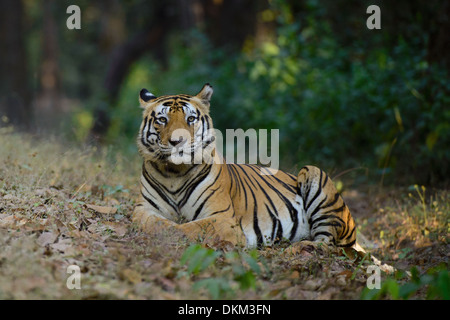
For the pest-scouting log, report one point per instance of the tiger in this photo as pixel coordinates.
(245, 204)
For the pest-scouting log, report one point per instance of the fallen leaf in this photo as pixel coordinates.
(7, 221)
(294, 275)
(46, 238)
(8, 197)
(312, 285)
(167, 284)
(346, 273)
(131, 275)
(22, 222)
(63, 245)
(112, 201)
(118, 228)
(102, 209)
(341, 280)
(30, 283)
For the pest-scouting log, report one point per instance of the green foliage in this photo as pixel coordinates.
(436, 282)
(217, 287)
(342, 96)
(239, 270)
(361, 105)
(110, 190)
(198, 258)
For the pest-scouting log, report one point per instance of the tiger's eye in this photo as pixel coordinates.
(162, 120)
(191, 119)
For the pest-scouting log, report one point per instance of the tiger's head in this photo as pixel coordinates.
(175, 128)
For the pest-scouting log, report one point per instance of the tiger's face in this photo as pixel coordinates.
(175, 127)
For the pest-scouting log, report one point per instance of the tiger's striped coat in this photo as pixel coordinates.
(233, 201)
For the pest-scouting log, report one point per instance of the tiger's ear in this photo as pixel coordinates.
(206, 93)
(145, 96)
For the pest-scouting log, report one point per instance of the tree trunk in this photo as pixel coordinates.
(149, 39)
(15, 96)
(48, 104)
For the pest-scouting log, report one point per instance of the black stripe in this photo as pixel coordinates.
(274, 219)
(267, 196)
(146, 198)
(150, 201)
(305, 198)
(245, 172)
(273, 215)
(292, 211)
(348, 235)
(325, 233)
(293, 177)
(335, 200)
(335, 210)
(231, 179)
(315, 210)
(203, 126)
(216, 212)
(318, 192)
(199, 209)
(239, 183)
(193, 184)
(325, 181)
(259, 238)
(148, 178)
(206, 188)
(326, 224)
(183, 186)
(271, 176)
(279, 235)
(330, 216)
(347, 245)
(256, 229)
(142, 133)
(164, 98)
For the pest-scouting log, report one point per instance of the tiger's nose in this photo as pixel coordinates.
(175, 142)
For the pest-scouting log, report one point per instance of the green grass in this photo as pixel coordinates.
(64, 205)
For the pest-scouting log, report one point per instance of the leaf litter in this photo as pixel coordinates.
(75, 210)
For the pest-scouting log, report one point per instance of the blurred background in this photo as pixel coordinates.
(372, 103)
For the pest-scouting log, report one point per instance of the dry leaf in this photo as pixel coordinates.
(131, 275)
(118, 228)
(112, 201)
(102, 209)
(46, 238)
(8, 197)
(7, 221)
(346, 273)
(294, 275)
(167, 284)
(63, 245)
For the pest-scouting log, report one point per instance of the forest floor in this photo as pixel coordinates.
(68, 206)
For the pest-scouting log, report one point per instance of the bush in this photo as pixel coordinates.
(381, 107)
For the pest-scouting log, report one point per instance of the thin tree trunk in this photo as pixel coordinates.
(149, 39)
(15, 97)
(48, 103)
